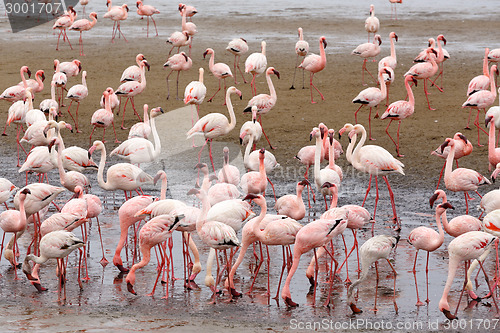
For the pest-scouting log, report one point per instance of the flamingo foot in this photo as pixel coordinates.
(123, 128)
(467, 128)
(420, 303)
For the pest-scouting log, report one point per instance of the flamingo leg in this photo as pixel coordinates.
(313, 86)
(81, 45)
(356, 114)
(476, 123)
(123, 115)
(177, 85)
(210, 153)
(241, 72)
(376, 197)
(282, 271)
(419, 303)
(168, 87)
(393, 203)
(427, 95)
(370, 124)
(133, 107)
(120, 32)
(294, 71)
(441, 175)
(265, 135)
(394, 293)
(152, 19)
(376, 289)
(368, 191)
(211, 98)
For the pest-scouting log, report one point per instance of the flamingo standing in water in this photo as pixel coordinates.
(220, 70)
(483, 99)
(264, 102)
(394, 8)
(148, 11)
(372, 23)
(400, 110)
(372, 97)
(214, 125)
(378, 247)
(76, 94)
(301, 48)
(84, 25)
(366, 51)
(256, 64)
(71, 179)
(117, 14)
(178, 62)
(461, 179)
(314, 63)
(63, 23)
(238, 46)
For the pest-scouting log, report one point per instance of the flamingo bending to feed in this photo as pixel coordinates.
(372, 23)
(314, 63)
(483, 99)
(425, 70)
(103, 118)
(214, 125)
(264, 102)
(178, 62)
(220, 70)
(256, 64)
(400, 110)
(63, 23)
(121, 176)
(117, 14)
(301, 48)
(461, 179)
(84, 25)
(372, 97)
(17, 92)
(76, 94)
(366, 51)
(378, 247)
(148, 11)
(237, 46)
(130, 89)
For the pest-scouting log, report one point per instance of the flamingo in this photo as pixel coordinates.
(469, 246)
(256, 64)
(461, 179)
(311, 236)
(154, 232)
(314, 63)
(76, 94)
(375, 248)
(494, 55)
(391, 62)
(292, 205)
(103, 118)
(301, 48)
(190, 10)
(490, 201)
(84, 25)
(178, 39)
(178, 62)
(54, 245)
(39, 160)
(130, 89)
(121, 176)
(425, 70)
(493, 151)
(366, 51)
(83, 3)
(427, 239)
(134, 72)
(372, 23)
(194, 94)
(255, 182)
(141, 150)
(6, 190)
(441, 57)
(483, 99)
(188, 27)
(220, 70)
(46, 104)
(214, 125)
(372, 97)
(148, 11)
(400, 110)
(17, 92)
(251, 128)
(60, 79)
(238, 46)
(264, 102)
(463, 147)
(71, 179)
(141, 129)
(63, 23)
(480, 82)
(37, 135)
(394, 7)
(37, 84)
(114, 101)
(70, 68)
(61, 221)
(376, 161)
(117, 14)
(229, 173)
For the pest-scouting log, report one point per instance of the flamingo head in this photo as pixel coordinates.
(443, 207)
(431, 50)
(159, 175)
(447, 142)
(378, 38)
(25, 69)
(347, 127)
(438, 194)
(300, 31)
(322, 129)
(494, 69)
(385, 70)
(305, 182)
(488, 119)
(460, 136)
(322, 39)
(314, 133)
(234, 90)
(258, 199)
(202, 167)
(441, 38)
(95, 145)
(41, 74)
(393, 35)
(495, 173)
(262, 152)
(431, 42)
(140, 56)
(146, 63)
(193, 191)
(331, 133)
(271, 70)
(25, 192)
(125, 7)
(138, 3)
(207, 51)
(175, 223)
(155, 112)
(79, 64)
(52, 143)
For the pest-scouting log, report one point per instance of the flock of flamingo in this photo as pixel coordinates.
(226, 220)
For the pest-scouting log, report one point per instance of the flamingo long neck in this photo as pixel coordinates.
(444, 219)
(491, 138)
(143, 77)
(94, 20)
(365, 266)
(226, 158)
(486, 72)
(350, 147)
(200, 78)
(184, 15)
(107, 103)
(263, 48)
(331, 157)
(492, 81)
(434, 63)
(30, 100)
(163, 191)
(84, 80)
(25, 83)
(53, 91)
(440, 56)
(317, 159)
(146, 116)
(256, 224)
(62, 173)
(272, 91)
(156, 139)
(38, 78)
(301, 34)
(262, 168)
(322, 53)
(211, 62)
(452, 269)
(232, 117)
(440, 240)
(100, 170)
(411, 98)
(300, 200)
(354, 156)
(37, 260)
(247, 151)
(202, 218)
(449, 162)
(22, 211)
(393, 49)
(383, 86)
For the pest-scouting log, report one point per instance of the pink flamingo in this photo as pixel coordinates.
(84, 25)
(459, 224)
(178, 39)
(251, 129)
(372, 97)
(483, 99)
(494, 55)
(54, 245)
(292, 205)
(121, 176)
(103, 118)
(39, 160)
(378, 247)
(255, 182)
(427, 239)
(195, 93)
(6, 190)
(493, 151)
(60, 79)
(76, 94)
(366, 51)
(220, 70)
(463, 147)
(141, 129)
(71, 179)
(440, 59)
(61, 221)
(256, 64)
(127, 218)
(37, 84)
(376, 161)
(372, 23)
(331, 153)
(17, 92)
(469, 246)
(190, 10)
(393, 8)
(229, 173)
(134, 72)
(84, 4)
(389, 61)
(154, 232)
(63, 23)
(188, 27)
(490, 201)
(117, 14)
(14, 221)
(264, 102)
(148, 11)
(237, 46)
(480, 82)
(461, 179)
(400, 110)
(46, 104)
(130, 89)
(214, 125)
(114, 101)
(311, 236)
(301, 48)
(70, 68)
(314, 63)
(178, 62)
(425, 70)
